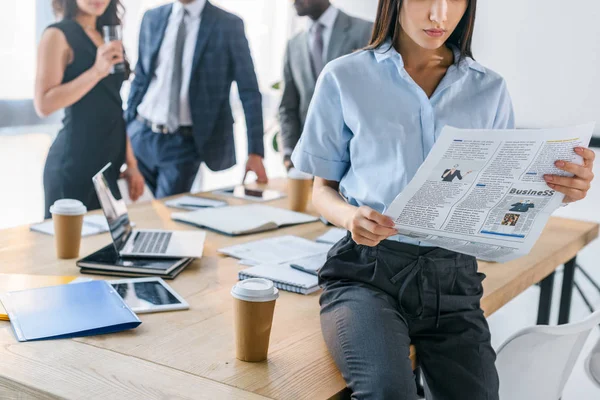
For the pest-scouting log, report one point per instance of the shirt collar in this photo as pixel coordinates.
(386, 50)
(194, 8)
(327, 19)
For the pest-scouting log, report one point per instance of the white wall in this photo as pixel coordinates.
(549, 53)
(360, 8)
(547, 50)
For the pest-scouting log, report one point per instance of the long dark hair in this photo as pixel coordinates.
(67, 9)
(386, 25)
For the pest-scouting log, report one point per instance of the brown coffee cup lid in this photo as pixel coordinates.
(68, 207)
(256, 290)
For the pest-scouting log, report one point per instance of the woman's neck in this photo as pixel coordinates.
(417, 58)
(86, 20)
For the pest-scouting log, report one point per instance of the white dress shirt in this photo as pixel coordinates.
(155, 105)
(327, 20)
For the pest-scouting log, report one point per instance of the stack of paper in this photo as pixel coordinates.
(276, 250)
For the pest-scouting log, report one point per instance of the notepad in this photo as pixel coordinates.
(65, 311)
(332, 236)
(311, 265)
(14, 282)
(284, 277)
(276, 250)
(242, 220)
(92, 225)
(193, 203)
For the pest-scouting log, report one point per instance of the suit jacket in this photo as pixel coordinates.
(348, 34)
(222, 56)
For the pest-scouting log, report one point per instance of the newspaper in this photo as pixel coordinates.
(483, 193)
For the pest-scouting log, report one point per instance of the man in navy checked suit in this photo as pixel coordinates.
(178, 111)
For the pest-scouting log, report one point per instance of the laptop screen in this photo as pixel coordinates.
(113, 206)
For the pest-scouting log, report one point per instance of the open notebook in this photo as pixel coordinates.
(284, 277)
(242, 220)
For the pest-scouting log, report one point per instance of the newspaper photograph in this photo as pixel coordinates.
(483, 193)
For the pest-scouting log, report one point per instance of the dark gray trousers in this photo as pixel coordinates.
(378, 300)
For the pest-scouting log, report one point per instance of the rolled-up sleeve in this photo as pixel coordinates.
(323, 149)
(505, 115)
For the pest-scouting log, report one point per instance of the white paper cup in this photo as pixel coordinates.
(67, 216)
(253, 308)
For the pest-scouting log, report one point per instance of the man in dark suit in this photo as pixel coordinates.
(331, 34)
(178, 112)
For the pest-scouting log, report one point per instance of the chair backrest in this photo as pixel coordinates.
(592, 364)
(536, 362)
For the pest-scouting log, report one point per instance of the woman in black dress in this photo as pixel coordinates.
(73, 73)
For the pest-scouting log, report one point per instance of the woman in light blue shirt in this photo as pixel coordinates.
(373, 119)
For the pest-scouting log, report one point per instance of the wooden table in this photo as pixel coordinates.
(190, 354)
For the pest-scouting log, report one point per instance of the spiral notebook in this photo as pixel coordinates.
(284, 277)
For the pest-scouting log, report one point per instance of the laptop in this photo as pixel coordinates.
(131, 242)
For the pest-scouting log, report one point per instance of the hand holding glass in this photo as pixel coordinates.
(114, 33)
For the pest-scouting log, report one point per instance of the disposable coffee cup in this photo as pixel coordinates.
(299, 189)
(67, 215)
(253, 307)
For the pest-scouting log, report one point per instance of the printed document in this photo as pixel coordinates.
(483, 193)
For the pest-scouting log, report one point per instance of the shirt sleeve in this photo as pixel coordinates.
(505, 116)
(323, 148)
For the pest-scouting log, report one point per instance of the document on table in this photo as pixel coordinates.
(483, 193)
(276, 250)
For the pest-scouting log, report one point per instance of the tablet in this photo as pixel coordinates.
(242, 192)
(146, 295)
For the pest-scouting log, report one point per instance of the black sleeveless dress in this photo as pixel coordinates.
(93, 131)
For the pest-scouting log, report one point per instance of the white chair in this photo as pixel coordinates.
(592, 365)
(536, 362)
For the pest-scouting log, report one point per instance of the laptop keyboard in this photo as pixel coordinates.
(151, 242)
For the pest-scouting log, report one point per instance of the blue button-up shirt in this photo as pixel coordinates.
(370, 126)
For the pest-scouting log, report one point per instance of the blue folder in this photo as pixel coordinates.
(65, 311)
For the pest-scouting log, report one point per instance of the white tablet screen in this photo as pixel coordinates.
(147, 296)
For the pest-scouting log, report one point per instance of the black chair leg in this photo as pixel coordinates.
(589, 278)
(583, 296)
